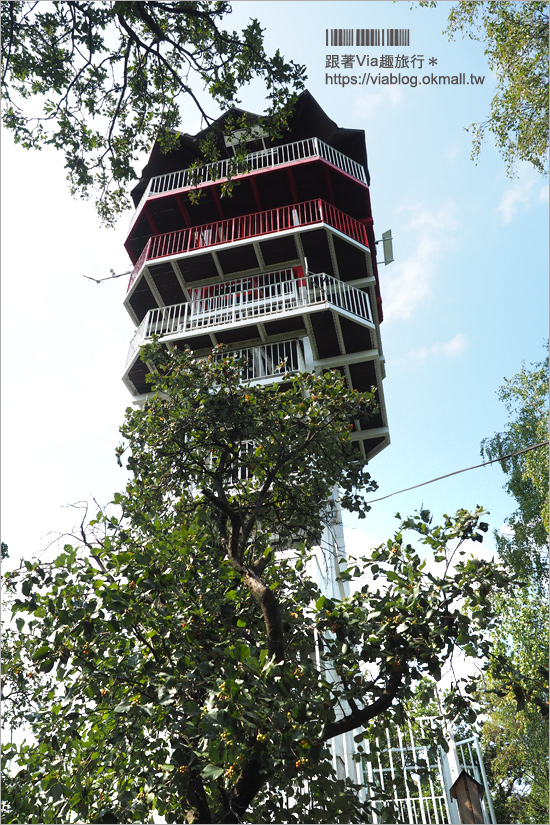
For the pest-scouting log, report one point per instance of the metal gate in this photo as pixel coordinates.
(408, 773)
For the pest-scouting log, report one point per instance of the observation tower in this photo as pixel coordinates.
(283, 270)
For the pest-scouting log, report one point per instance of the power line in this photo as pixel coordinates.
(465, 470)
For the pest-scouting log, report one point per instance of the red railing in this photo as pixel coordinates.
(249, 226)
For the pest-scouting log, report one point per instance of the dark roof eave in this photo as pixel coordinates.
(307, 120)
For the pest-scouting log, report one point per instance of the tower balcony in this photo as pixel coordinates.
(253, 300)
(245, 228)
(287, 154)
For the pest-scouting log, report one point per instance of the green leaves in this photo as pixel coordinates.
(266, 440)
(180, 659)
(212, 772)
(413, 621)
(513, 693)
(108, 79)
(524, 546)
(515, 37)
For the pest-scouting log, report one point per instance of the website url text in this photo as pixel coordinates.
(368, 79)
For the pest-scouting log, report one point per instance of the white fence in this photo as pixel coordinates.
(269, 360)
(414, 773)
(262, 296)
(264, 159)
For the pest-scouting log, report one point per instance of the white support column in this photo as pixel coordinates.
(451, 770)
(487, 802)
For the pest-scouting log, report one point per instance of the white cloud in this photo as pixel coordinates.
(452, 153)
(409, 282)
(455, 346)
(441, 349)
(370, 101)
(522, 193)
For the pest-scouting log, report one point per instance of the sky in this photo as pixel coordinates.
(465, 301)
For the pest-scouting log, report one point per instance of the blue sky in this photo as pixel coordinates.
(465, 300)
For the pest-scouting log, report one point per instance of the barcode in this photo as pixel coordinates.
(368, 37)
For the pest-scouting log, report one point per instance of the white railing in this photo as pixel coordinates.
(397, 756)
(403, 754)
(420, 810)
(264, 159)
(268, 360)
(240, 466)
(470, 759)
(135, 344)
(261, 296)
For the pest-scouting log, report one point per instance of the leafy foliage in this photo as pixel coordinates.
(172, 661)
(525, 544)
(109, 78)
(515, 733)
(515, 37)
(514, 692)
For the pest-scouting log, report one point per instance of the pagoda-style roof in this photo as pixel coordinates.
(307, 120)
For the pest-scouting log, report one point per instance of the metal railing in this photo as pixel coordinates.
(470, 760)
(240, 464)
(264, 159)
(268, 360)
(431, 809)
(397, 759)
(261, 296)
(417, 755)
(249, 226)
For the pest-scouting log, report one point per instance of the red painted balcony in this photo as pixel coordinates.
(255, 225)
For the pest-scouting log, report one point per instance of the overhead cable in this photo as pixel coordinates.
(465, 470)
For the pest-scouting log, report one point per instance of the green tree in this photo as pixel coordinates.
(173, 659)
(524, 543)
(107, 79)
(515, 734)
(515, 37)
(515, 690)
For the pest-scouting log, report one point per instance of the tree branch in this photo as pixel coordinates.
(364, 715)
(198, 798)
(250, 781)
